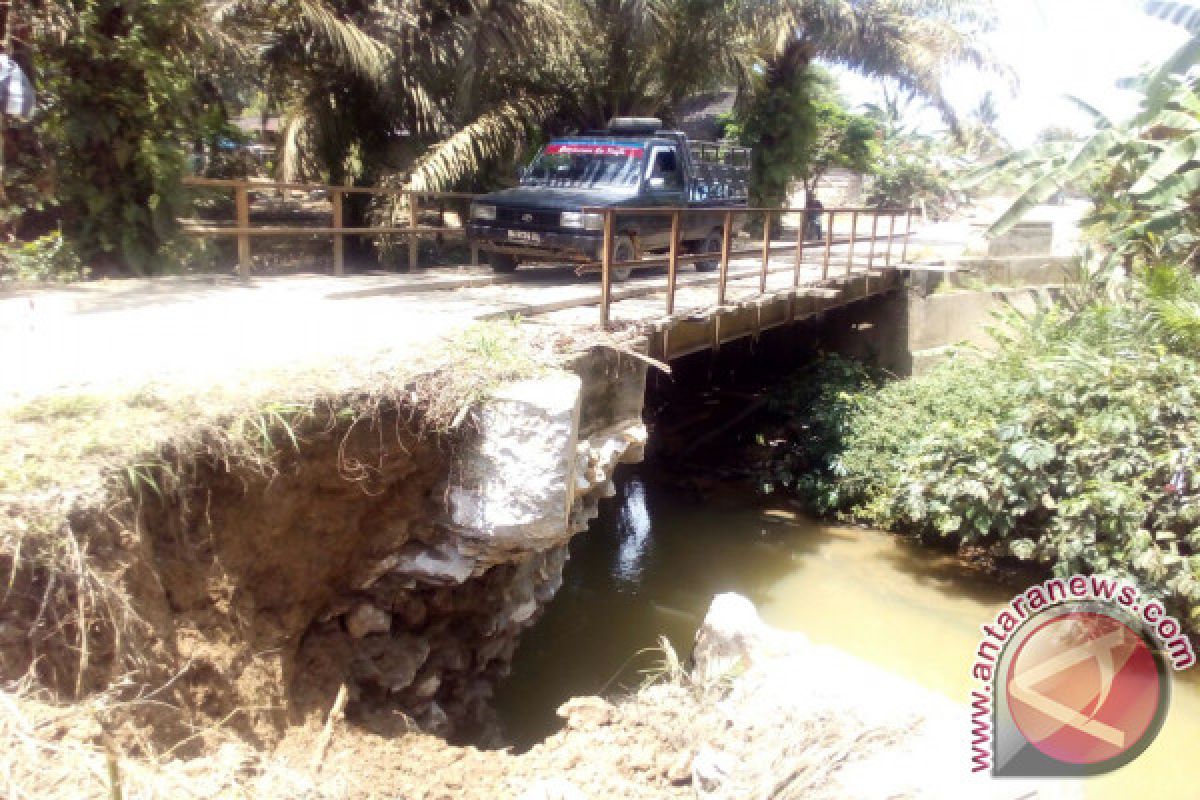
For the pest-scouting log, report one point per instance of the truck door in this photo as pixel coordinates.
(664, 185)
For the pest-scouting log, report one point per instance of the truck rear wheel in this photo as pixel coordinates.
(503, 262)
(623, 250)
(711, 244)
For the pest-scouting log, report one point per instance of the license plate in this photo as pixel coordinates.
(529, 237)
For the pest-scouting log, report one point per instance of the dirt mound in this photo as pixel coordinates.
(655, 744)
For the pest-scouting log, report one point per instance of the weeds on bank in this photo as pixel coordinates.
(475, 363)
(668, 668)
(1071, 447)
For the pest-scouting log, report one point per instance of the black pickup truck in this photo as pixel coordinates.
(632, 164)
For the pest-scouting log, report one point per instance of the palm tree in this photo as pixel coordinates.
(893, 112)
(908, 42)
(364, 87)
(911, 42)
(979, 137)
(428, 94)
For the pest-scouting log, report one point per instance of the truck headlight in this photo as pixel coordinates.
(590, 221)
(483, 212)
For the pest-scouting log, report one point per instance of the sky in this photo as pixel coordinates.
(1055, 47)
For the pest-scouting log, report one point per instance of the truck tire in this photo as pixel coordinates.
(623, 250)
(503, 262)
(711, 244)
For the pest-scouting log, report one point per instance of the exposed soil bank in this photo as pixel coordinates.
(363, 563)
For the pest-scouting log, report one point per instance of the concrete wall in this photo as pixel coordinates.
(1028, 238)
(614, 385)
(941, 321)
(991, 272)
(910, 329)
(961, 307)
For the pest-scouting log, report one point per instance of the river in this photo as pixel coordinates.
(652, 561)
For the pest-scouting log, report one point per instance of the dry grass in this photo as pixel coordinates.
(71, 752)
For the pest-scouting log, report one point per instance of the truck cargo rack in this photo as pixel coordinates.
(722, 170)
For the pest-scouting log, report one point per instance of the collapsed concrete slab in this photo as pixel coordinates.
(886, 736)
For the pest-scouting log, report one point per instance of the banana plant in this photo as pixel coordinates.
(1148, 168)
(1047, 168)
(1185, 15)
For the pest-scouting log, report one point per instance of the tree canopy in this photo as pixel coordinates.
(428, 94)
(800, 130)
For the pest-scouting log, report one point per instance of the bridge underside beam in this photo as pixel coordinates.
(683, 336)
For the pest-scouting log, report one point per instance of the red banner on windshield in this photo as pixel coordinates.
(589, 149)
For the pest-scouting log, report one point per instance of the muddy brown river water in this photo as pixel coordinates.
(656, 556)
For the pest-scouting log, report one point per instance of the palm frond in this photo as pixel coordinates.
(354, 48)
(1185, 15)
(909, 41)
(467, 150)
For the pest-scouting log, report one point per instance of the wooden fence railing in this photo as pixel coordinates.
(416, 203)
(849, 235)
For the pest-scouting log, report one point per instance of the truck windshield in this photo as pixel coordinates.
(586, 164)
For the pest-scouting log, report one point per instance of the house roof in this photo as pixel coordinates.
(698, 115)
(253, 123)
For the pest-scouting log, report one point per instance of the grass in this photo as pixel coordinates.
(475, 362)
(68, 440)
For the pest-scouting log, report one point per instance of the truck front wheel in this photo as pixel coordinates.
(711, 244)
(503, 262)
(623, 250)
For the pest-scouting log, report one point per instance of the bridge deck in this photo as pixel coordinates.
(699, 321)
(205, 330)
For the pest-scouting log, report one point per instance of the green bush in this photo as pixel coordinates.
(48, 258)
(908, 174)
(1058, 449)
(119, 108)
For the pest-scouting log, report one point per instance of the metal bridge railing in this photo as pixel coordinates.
(851, 236)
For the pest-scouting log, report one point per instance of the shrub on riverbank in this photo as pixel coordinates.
(1059, 448)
